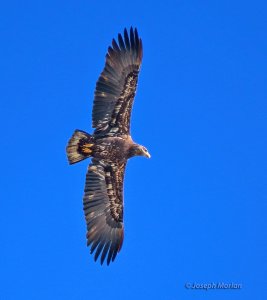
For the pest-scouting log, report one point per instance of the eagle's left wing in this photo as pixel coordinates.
(103, 208)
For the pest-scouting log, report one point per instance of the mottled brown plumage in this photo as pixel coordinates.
(110, 146)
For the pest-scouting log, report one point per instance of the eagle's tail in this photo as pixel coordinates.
(79, 146)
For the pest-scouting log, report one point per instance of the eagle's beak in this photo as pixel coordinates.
(147, 155)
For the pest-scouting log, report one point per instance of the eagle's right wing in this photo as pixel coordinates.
(116, 86)
(103, 208)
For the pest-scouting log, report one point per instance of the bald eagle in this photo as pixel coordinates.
(110, 146)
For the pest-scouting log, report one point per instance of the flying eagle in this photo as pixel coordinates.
(110, 146)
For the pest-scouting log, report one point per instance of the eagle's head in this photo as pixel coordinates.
(138, 150)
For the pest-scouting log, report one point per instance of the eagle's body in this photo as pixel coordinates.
(113, 149)
(110, 146)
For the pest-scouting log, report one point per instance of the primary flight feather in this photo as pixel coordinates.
(110, 146)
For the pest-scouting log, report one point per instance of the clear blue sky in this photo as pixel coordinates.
(196, 211)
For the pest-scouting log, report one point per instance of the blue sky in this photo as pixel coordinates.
(196, 211)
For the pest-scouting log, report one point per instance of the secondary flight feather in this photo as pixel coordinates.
(110, 146)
